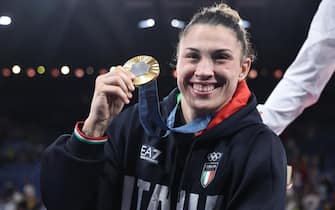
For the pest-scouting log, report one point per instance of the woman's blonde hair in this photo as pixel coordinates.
(222, 14)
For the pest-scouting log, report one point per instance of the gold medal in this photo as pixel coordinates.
(144, 67)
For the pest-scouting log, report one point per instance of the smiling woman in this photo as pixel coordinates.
(234, 162)
(213, 55)
(209, 68)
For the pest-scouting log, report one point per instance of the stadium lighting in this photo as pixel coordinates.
(278, 73)
(40, 69)
(6, 72)
(65, 70)
(147, 23)
(79, 72)
(103, 71)
(89, 70)
(16, 69)
(5, 20)
(31, 72)
(253, 74)
(244, 23)
(55, 72)
(177, 23)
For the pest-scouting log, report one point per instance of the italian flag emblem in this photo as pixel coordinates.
(208, 173)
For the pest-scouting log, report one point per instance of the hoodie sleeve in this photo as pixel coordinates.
(74, 175)
(69, 174)
(263, 181)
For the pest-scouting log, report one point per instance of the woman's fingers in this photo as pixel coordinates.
(117, 83)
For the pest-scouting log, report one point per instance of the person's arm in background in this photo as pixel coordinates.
(307, 76)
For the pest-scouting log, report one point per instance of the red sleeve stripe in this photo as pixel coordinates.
(87, 139)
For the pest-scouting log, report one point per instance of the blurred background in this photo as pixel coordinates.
(52, 51)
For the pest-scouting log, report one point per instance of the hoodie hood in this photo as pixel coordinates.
(245, 117)
(240, 112)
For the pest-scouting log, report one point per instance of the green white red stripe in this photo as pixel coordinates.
(208, 173)
(87, 139)
(207, 177)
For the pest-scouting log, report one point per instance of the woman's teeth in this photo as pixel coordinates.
(203, 88)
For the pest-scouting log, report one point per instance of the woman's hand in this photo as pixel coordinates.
(112, 91)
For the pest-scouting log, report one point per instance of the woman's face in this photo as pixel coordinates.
(209, 67)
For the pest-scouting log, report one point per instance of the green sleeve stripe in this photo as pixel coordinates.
(88, 141)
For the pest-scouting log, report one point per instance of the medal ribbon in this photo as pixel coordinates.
(150, 116)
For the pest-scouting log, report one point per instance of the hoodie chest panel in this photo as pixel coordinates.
(197, 180)
(155, 159)
(206, 168)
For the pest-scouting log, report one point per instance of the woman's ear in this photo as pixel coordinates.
(175, 73)
(245, 67)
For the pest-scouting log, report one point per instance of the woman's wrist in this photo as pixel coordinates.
(94, 129)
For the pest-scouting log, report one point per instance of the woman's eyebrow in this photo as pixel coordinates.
(193, 49)
(223, 50)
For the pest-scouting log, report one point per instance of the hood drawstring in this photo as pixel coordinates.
(173, 171)
(170, 162)
(187, 160)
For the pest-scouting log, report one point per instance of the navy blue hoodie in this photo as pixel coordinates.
(238, 164)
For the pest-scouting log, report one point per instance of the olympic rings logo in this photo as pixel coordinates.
(214, 156)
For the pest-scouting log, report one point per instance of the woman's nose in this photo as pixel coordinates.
(205, 68)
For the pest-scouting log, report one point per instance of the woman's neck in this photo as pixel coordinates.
(188, 115)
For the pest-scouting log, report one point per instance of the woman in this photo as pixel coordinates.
(235, 162)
